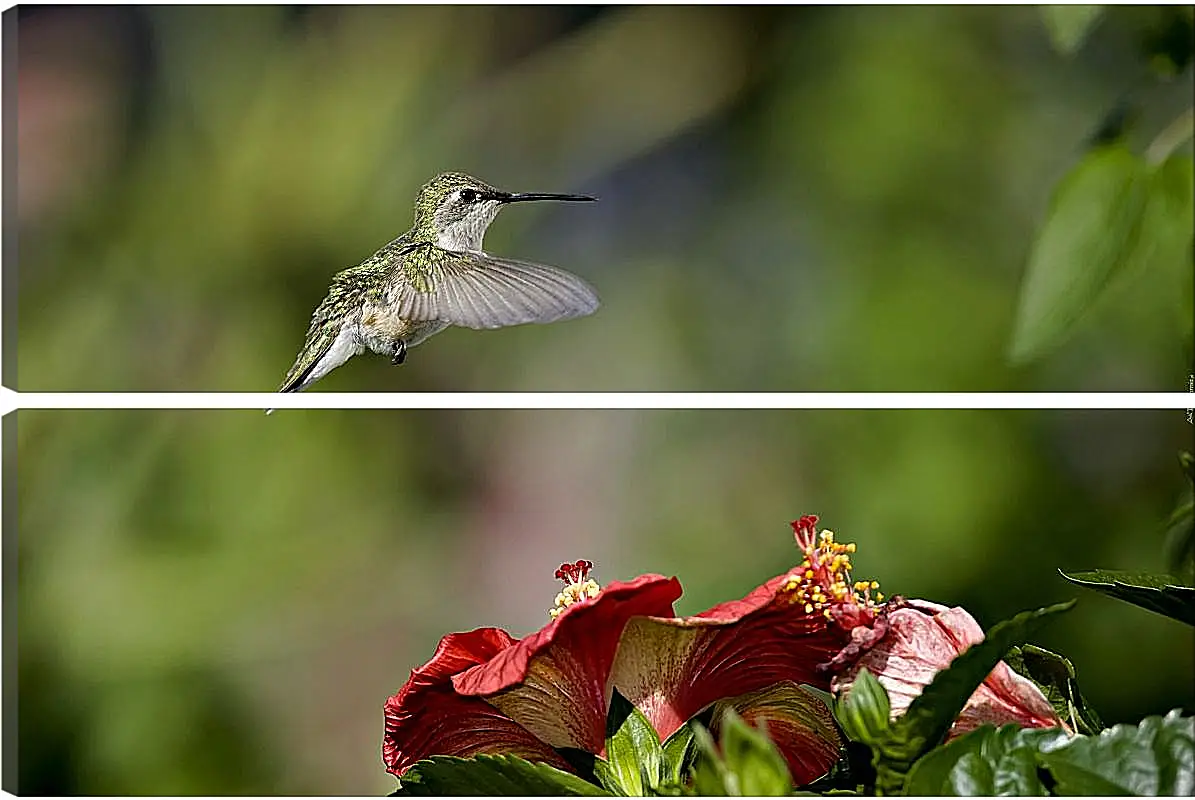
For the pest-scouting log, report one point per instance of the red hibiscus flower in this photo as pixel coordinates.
(485, 692)
(913, 640)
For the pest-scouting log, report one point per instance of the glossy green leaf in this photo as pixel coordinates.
(986, 761)
(863, 713)
(1090, 231)
(1154, 758)
(1163, 594)
(492, 775)
(633, 749)
(678, 753)
(1069, 26)
(931, 714)
(608, 777)
(1055, 676)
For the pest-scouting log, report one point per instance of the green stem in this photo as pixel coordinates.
(1171, 137)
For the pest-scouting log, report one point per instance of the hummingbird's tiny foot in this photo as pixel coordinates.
(400, 353)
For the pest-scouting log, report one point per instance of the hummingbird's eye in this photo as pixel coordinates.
(468, 195)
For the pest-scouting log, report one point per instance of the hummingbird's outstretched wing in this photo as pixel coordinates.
(477, 290)
(344, 294)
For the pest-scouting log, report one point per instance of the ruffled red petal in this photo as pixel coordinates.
(673, 668)
(800, 725)
(555, 681)
(428, 718)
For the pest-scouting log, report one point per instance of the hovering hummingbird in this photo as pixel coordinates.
(433, 276)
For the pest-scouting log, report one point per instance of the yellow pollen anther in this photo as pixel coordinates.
(823, 580)
(575, 593)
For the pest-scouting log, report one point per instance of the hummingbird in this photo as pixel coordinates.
(433, 276)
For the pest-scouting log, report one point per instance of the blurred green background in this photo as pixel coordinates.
(217, 602)
(798, 199)
(791, 199)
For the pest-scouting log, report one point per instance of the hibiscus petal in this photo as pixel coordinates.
(439, 722)
(459, 651)
(797, 721)
(922, 638)
(428, 718)
(672, 668)
(555, 681)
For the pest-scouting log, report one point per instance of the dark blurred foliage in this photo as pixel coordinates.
(791, 199)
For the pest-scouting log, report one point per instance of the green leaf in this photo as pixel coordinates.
(1154, 758)
(678, 753)
(491, 775)
(864, 712)
(1163, 251)
(711, 778)
(1068, 26)
(1163, 594)
(632, 749)
(1055, 676)
(1180, 528)
(931, 714)
(1091, 229)
(610, 779)
(747, 764)
(986, 761)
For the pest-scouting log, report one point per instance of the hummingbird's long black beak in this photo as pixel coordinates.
(522, 197)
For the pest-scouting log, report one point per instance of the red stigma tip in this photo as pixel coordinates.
(805, 530)
(574, 573)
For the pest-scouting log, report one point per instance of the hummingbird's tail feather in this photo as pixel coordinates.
(475, 290)
(297, 381)
(310, 366)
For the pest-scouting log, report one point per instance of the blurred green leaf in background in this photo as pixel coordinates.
(1069, 25)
